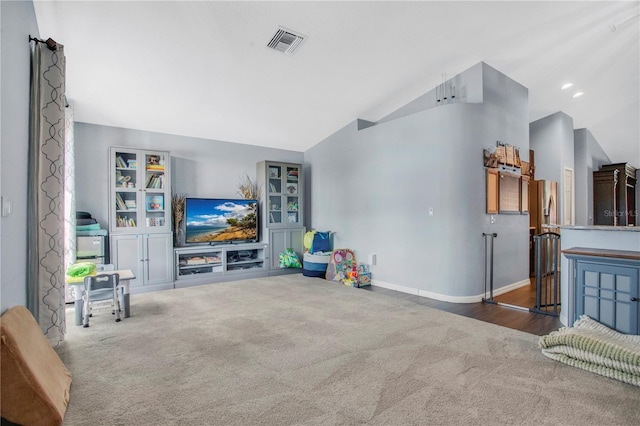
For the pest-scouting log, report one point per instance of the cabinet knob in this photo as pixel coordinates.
(634, 299)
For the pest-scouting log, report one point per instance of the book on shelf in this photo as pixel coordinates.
(123, 222)
(120, 204)
(120, 162)
(155, 181)
(196, 261)
(154, 221)
(272, 187)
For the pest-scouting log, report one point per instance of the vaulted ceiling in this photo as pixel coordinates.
(202, 68)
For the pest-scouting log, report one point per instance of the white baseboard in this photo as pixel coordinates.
(445, 297)
(564, 319)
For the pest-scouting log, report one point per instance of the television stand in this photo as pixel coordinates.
(222, 262)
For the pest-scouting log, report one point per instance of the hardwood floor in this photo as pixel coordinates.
(526, 296)
(538, 324)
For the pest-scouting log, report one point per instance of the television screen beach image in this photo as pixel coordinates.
(210, 220)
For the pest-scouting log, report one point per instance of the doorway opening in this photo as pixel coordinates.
(542, 292)
(542, 295)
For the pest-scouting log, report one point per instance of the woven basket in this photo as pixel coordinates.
(490, 160)
(501, 154)
(511, 155)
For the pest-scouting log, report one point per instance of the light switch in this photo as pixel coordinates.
(7, 206)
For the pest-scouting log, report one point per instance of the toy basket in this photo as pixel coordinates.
(315, 265)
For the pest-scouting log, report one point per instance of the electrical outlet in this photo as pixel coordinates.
(493, 218)
(373, 259)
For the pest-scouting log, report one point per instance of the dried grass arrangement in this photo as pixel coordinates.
(177, 209)
(177, 216)
(248, 189)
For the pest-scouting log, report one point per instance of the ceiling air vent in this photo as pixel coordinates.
(285, 41)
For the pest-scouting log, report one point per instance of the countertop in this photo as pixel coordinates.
(603, 228)
(615, 254)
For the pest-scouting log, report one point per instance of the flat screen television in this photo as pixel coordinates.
(220, 220)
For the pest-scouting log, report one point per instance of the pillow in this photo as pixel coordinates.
(289, 259)
(81, 269)
(35, 383)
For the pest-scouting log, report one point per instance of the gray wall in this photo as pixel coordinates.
(17, 21)
(588, 157)
(374, 188)
(551, 139)
(467, 88)
(200, 167)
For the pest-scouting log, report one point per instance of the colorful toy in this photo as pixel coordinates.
(364, 279)
(341, 263)
(308, 240)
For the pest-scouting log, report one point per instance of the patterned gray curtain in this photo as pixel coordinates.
(45, 209)
(69, 196)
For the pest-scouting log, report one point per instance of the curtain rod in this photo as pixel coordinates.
(51, 43)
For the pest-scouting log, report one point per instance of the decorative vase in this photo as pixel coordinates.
(178, 239)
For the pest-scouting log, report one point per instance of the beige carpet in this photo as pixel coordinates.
(296, 350)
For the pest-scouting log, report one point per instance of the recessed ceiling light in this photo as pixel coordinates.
(566, 86)
(578, 94)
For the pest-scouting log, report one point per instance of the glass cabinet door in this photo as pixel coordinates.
(155, 205)
(126, 189)
(291, 195)
(284, 197)
(275, 206)
(140, 191)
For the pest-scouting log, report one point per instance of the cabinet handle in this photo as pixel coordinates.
(634, 299)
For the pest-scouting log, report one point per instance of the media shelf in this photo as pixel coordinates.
(208, 264)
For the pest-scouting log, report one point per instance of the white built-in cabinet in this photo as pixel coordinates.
(140, 191)
(282, 208)
(281, 239)
(140, 216)
(149, 256)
